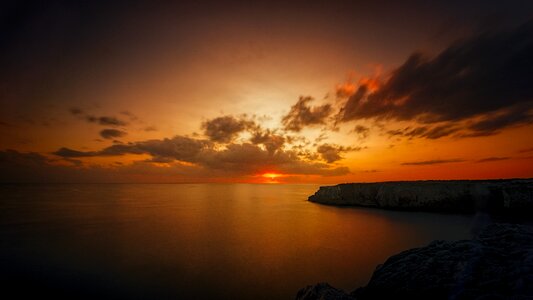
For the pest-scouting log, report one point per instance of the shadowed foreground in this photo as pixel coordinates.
(498, 263)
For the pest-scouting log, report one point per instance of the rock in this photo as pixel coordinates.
(322, 291)
(498, 264)
(464, 196)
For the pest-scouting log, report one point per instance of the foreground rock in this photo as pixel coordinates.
(465, 196)
(322, 291)
(498, 264)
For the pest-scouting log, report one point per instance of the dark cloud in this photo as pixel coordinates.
(323, 136)
(270, 140)
(488, 73)
(178, 148)
(490, 159)
(150, 128)
(102, 120)
(302, 114)
(396, 132)
(70, 153)
(526, 150)
(332, 153)
(10, 156)
(440, 131)
(226, 128)
(428, 132)
(130, 115)
(249, 158)
(112, 133)
(432, 162)
(106, 121)
(361, 131)
(32, 167)
(245, 158)
(492, 124)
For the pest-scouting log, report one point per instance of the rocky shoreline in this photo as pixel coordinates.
(508, 196)
(497, 264)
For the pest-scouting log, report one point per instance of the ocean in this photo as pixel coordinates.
(197, 241)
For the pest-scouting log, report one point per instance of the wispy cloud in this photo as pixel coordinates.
(491, 159)
(332, 153)
(102, 120)
(302, 115)
(112, 133)
(527, 150)
(432, 162)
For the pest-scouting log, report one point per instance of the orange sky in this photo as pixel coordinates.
(324, 93)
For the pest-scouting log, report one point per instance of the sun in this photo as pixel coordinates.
(272, 176)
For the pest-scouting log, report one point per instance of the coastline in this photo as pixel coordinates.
(497, 263)
(502, 197)
(445, 269)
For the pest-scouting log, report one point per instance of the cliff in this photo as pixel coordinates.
(513, 195)
(498, 264)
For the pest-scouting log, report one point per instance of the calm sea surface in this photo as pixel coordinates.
(202, 241)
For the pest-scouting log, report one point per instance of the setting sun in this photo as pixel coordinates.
(272, 177)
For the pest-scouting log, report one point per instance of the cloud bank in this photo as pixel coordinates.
(481, 84)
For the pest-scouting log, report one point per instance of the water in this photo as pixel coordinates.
(201, 241)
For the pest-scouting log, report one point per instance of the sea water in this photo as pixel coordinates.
(198, 241)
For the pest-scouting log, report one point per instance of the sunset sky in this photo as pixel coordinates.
(265, 91)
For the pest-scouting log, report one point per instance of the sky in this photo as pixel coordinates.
(265, 91)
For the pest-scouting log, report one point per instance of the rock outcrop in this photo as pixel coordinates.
(465, 196)
(498, 264)
(322, 291)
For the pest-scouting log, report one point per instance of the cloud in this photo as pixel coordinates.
(345, 90)
(302, 115)
(526, 150)
(106, 121)
(493, 123)
(69, 153)
(112, 133)
(130, 115)
(10, 156)
(179, 148)
(428, 132)
(491, 159)
(32, 167)
(432, 162)
(244, 158)
(487, 75)
(440, 131)
(226, 128)
(150, 128)
(270, 140)
(361, 131)
(332, 153)
(102, 120)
